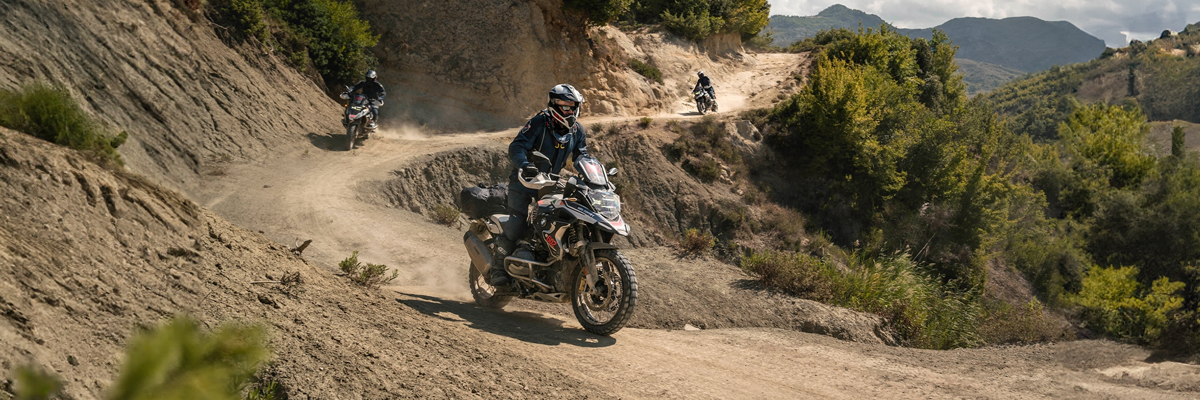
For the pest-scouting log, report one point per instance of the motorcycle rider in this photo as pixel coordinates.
(704, 82)
(556, 133)
(371, 88)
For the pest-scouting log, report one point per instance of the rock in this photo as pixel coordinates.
(604, 107)
(689, 327)
(747, 130)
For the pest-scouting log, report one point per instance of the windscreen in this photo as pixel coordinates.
(591, 169)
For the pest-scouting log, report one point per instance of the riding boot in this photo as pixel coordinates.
(497, 276)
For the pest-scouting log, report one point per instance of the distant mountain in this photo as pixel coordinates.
(789, 29)
(990, 51)
(1023, 43)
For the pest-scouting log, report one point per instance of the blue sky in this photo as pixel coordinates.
(1114, 21)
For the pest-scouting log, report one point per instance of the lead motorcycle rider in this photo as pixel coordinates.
(556, 133)
(371, 88)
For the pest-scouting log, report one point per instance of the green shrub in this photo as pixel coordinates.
(924, 312)
(369, 275)
(696, 241)
(1005, 323)
(446, 214)
(598, 12)
(246, 17)
(707, 168)
(644, 122)
(33, 383)
(798, 274)
(1114, 303)
(327, 33)
(48, 112)
(1112, 138)
(178, 360)
(692, 25)
(647, 70)
(697, 19)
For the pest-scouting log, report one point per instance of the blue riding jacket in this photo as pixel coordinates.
(537, 136)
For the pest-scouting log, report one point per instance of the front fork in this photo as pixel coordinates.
(587, 251)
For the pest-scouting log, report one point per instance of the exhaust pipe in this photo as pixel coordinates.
(481, 256)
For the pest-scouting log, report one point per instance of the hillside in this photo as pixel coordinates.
(1025, 44)
(983, 77)
(790, 28)
(1159, 75)
(188, 99)
(991, 52)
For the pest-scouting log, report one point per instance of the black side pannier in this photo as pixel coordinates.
(483, 200)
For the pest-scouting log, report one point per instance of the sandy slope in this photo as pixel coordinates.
(314, 194)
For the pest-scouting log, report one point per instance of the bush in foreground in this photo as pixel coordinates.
(48, 112)
(176, 360)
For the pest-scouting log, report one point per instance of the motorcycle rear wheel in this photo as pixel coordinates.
(351, 134)
(484, 293)
(605, 310)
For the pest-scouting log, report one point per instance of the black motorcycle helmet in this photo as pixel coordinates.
(700, 74)
(563, 106)
(371, 75)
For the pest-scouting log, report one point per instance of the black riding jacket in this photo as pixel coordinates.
(704, 82)
(373, 90)
(537, 136)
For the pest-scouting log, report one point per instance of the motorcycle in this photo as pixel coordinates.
(569, 256)
(358, 119)
(704, 101)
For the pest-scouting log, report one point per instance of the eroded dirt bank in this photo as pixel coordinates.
(87, 256)
(160, 72)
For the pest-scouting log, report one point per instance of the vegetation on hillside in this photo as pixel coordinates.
(327, 36)
(698, 19)
(1158, 76)
(50, 113)
(927, 189)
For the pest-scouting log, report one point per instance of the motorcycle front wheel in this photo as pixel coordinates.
(605, 309)
(484, 293)
(700, 107)
(351, 133)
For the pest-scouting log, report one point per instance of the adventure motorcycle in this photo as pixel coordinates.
(358, 118)
(704, 101)
(568, 257)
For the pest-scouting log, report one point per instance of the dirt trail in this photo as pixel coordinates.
(313, 194)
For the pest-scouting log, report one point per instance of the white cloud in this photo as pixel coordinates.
(1106, 19)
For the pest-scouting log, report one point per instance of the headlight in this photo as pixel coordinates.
(608, 204)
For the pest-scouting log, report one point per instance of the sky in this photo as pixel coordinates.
(1114, 21)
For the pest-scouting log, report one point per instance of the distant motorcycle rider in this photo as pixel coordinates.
(704, 82)
(371, 88)
(556, 133)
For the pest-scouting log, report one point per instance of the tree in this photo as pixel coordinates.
(598, 12)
